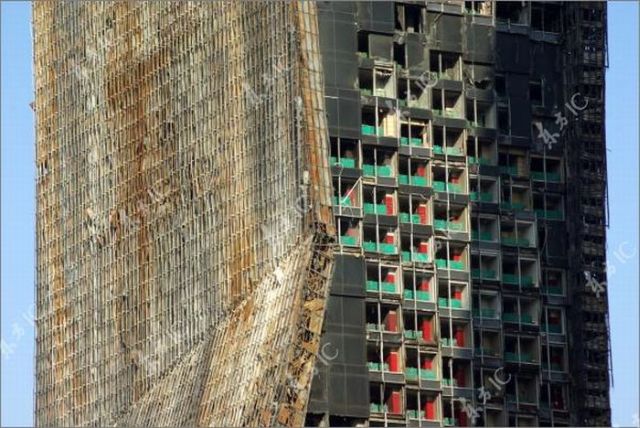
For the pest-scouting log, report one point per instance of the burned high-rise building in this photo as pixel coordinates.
(469, 165)
(321, 213)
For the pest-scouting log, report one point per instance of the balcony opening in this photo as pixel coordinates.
(500, 86)
(554, 207)
(453, 219)
(546, 18)
(419, 327)
(379, 201)
(535, 92)
(486, 116)
(429, 364)
(414, 172)
(517, 234)
(484, 190)
(389, 361)
(509, 272)
(504, 125)
(377, 406)
(400, 54)
(525, 234)
(553, 282)
(453, 104)
(538, 202)
(381, 122)
(381, 241)
(487, 229)
(487, 344)
(512, 12)
(550, 207)
(455, 142)
(511, 346)
(413, 93)
(416, 249)
(462, 372)
(520, 311)
(452, 180)
(553, 168)
(555, 321)
(412, 365)
(417, 286)
(386, 400)
(516, 198)
(528, 273)
(527, 390)
(454, 413)
(349, 232)
(485, 266)
(384, 83)
(344, 152)
(365, 79)
(537, 168)
(489, 305)
(558, 397)
(363, 44)
(409, 18)
(472, 153)
(369, 116)
(414, 18)
(403, 91)
(521, 197)
(523, 350)
(481, 114)
(479, 7)
(382, 317)
(447, 65)
(392, 359)
(452, 295)
(379, 163)
(452, 255)
(448, 103)
(422, 405)
(383, 279)
(414, 133)
(530, 312)
(414, 210)
(346, 193)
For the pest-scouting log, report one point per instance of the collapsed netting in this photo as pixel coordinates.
(183, 221)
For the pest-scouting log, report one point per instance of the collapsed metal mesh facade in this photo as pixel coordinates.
(183, 219)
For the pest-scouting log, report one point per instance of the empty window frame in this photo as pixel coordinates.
(536, 92)
(410, 18)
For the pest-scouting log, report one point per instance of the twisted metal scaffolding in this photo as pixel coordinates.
(184, 229)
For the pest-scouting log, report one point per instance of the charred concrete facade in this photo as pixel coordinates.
(469, 166)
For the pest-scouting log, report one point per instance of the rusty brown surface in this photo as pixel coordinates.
(152, 268)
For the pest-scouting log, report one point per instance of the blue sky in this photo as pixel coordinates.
(622, 236)
(17, 293)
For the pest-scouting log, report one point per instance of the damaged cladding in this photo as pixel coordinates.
(444, 149)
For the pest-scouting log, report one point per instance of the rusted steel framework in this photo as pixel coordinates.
(184, 227)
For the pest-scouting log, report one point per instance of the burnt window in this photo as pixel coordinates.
(363, 43)
(535, 92)
(501, 85)
(409, 18)
(503, 120)
(514, 12)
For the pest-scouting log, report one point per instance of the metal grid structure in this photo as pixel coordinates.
(183, 212)
(584, 73)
